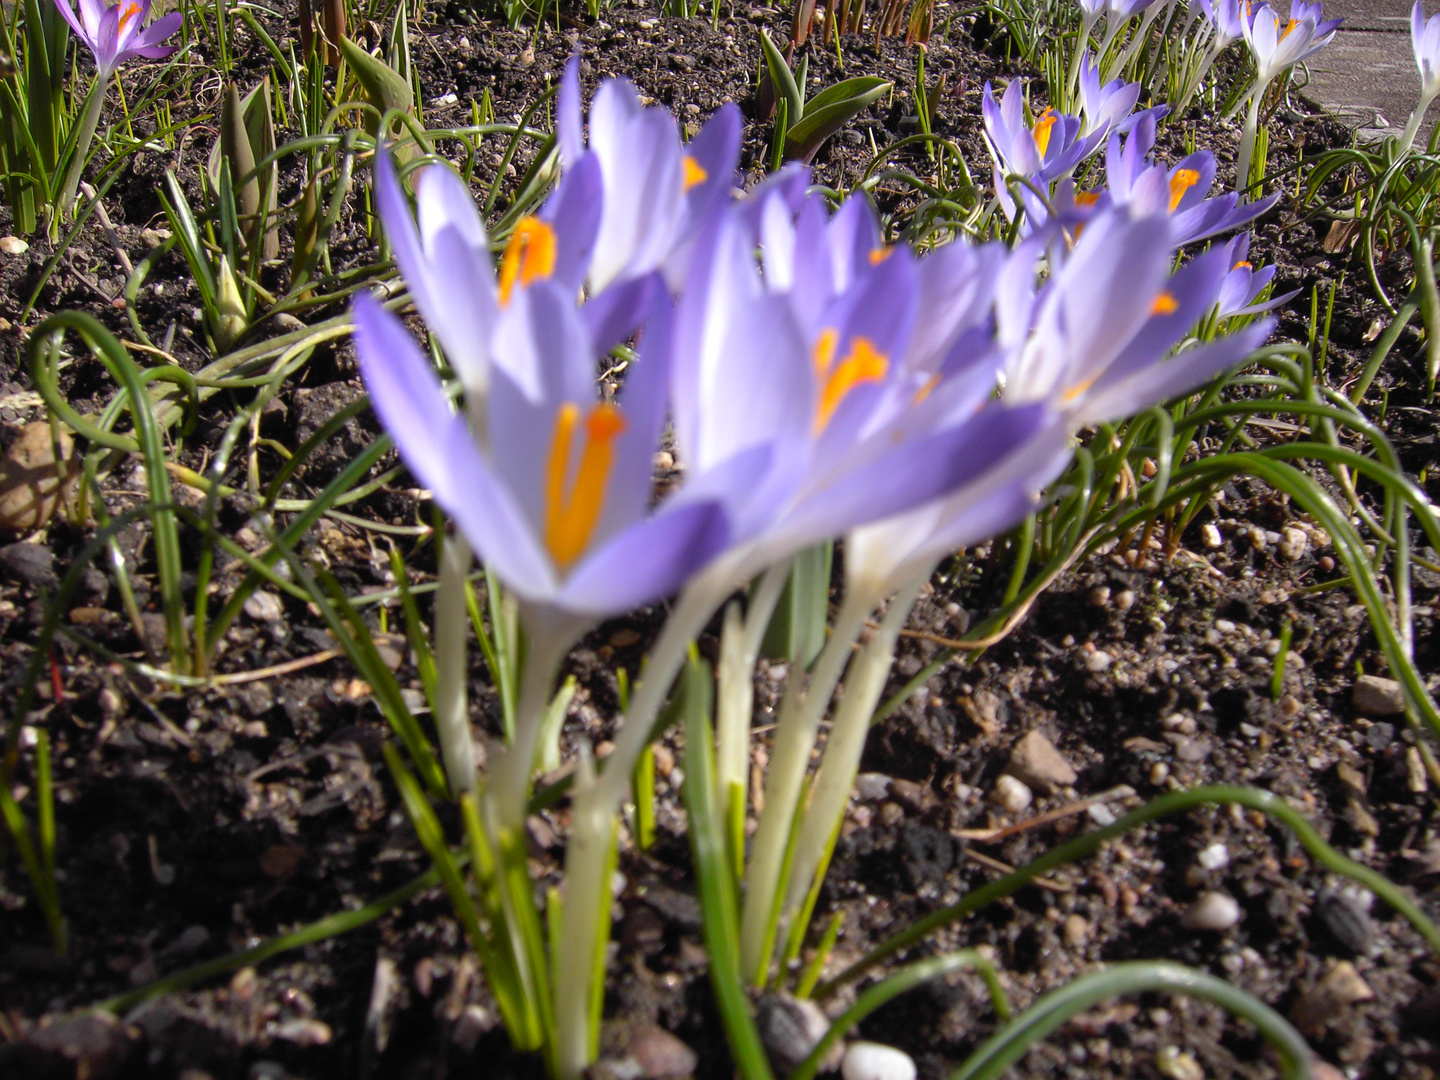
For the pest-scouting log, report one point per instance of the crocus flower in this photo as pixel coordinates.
(1044, 151)
(1278, 48)
(444, 256)
(1227, 19)
(1110, 108)
(115, 34)
(1098, 335)
(558, 506)
(1179, 192)
(1243, 284)
(658, 191)
(1425, 40)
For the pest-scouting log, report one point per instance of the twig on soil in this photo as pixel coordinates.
(1005, 868)
(989, 836)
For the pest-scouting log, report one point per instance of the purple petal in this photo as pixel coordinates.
(645, 562)
(437, 447)
(568, 118)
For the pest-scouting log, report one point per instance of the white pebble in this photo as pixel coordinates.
(1225, 626)
(1011, 794)
(873, 1061)
(1214, 857)
(1210, 535)
(1099, 660)
(1211, 911)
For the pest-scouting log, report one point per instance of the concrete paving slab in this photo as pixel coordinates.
(1367, 74)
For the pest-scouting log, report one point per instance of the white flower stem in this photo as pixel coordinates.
(739, 651)
(864, 683)
(452, 703)
(789, 758)
(1412, 126)
(1247, 141)
(1082, 42)
(548, 636)
(595, 807)
(84, 136)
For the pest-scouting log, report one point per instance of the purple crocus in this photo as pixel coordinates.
(1227, 19)
(1097, 336)
(1110, 108)
(1044, 151)
(1242, 284)
(115, 34)
(1179, 192)
(443, 254)
(1425, 40)
(1278, 48)
(658, 191)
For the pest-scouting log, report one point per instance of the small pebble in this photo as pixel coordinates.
(1375, 696)
(263, 606)
(1011, 794)
(1214, 857)
(790, 1028)
(1101, 814)
(13, 245)
(1100, 596)
(1211, 911)
(1293, 544)
(1098, 661)
(1347, 921)
(872, 786)
(1210, 535)
(1125, 599)
(1037, 763)
(1075, 930)
(873, 1061)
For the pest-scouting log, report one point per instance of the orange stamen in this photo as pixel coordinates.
(128, 15)
(1087, 198)
(1041, 131)
(1180, 183)
(863, 363)
(880, 254)
(694, 173)
(1165, 304)
(529, 256)
(1241, 263)
(571, 515)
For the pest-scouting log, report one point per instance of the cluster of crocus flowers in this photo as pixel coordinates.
(116, 34)
(821, 382)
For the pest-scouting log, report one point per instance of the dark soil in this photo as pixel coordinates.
(192, 825)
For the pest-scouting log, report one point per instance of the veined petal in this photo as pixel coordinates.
(575, 212)
(569, 123)
(438, 449)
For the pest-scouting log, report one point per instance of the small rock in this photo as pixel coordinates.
(1098, 661)
(1011, 794)
(13, 245)
(1075, 931)
(1347, 922)
(263, 606)
(1375, 696)
(790, 1028)
(874, 1061)
(30, 477)
(912, 796)
(1211, 911)
(1125, 599)
(891, 814)
(1210, 535)
(1035, 761)
(29, 564)
(1175, 1063)
(660, 1055)
(1189, 749)
(1214, 857)
(1341, 987)
(872, 786)
(1293, 544)
(1100, 596)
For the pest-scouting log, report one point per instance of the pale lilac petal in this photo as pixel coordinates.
(437, 447)
(68, 14)
(647, 561)
(568, 119)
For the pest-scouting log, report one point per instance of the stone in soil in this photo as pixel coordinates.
(874, 1061)
(1011, 794)
(1375, 696)
(1328, 999)
(1037, 763)
(1211, 911)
